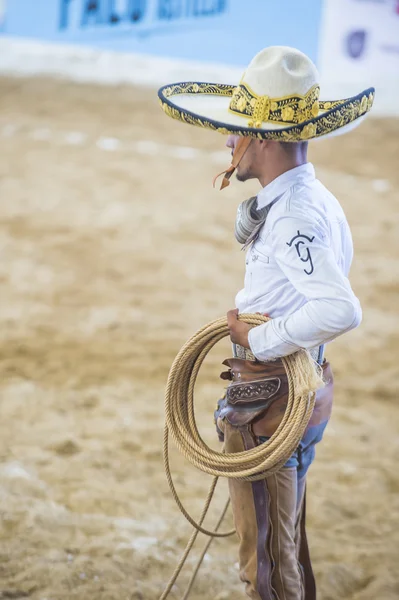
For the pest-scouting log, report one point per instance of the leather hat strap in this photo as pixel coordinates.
(239, 151)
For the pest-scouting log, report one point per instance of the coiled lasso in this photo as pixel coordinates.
(304, 378)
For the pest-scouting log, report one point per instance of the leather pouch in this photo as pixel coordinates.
(258, 395)
(254, 387)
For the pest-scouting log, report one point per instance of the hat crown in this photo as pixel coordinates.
(280, 85)
(280, 71)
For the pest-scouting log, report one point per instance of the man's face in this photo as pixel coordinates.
(247, 166)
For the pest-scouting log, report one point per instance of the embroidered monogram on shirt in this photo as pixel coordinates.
(303, 250)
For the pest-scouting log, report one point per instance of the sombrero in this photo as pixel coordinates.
(278, 99)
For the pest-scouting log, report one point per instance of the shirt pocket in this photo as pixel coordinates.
(261, 250)
(261, 257)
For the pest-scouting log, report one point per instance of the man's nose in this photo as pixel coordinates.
(231, 141)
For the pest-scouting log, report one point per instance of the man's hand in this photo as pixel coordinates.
(239, 329)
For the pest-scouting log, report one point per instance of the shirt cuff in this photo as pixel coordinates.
(266, 344)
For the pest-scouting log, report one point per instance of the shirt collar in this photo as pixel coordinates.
(283, 182)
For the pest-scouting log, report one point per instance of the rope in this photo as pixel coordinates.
(251, 465)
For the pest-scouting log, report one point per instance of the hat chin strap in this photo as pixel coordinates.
(239, 151)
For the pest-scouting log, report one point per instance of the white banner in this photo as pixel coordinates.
(359, 48)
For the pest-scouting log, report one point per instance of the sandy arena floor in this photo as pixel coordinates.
(113, 254)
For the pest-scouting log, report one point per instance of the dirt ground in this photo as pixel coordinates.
(115, 249)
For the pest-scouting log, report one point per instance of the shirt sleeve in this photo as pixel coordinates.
(302, 251)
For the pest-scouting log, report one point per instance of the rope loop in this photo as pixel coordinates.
(304, 378)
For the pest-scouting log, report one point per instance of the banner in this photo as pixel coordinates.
(220, 31)
(359, 47)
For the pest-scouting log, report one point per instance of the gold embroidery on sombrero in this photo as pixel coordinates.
(222, 89)
(262, 109)
(309, 131)
(328, 104)
(370, 101)
(219, 89)
(347, 112)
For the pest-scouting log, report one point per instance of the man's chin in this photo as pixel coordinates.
(242, 176)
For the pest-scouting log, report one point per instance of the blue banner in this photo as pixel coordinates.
(222, 31)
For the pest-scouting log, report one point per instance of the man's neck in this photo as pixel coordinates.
(280, 164)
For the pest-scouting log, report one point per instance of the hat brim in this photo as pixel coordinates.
(207, 105)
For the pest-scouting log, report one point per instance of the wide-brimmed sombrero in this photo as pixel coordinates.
(278, 98)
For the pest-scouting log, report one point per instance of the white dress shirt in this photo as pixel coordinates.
(297, 269)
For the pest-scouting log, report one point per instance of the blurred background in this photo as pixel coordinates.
(115, 249)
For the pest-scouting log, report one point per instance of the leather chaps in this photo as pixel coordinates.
(269, 514)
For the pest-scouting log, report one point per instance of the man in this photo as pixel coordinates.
(297, 264)
(301, 257)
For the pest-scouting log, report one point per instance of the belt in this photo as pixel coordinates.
(316, 353)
